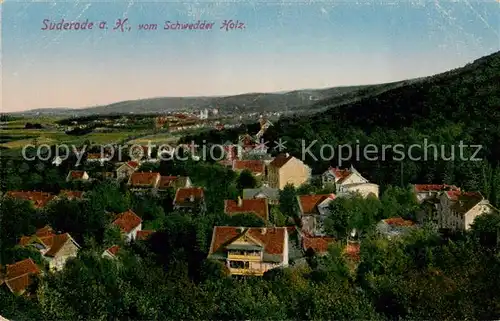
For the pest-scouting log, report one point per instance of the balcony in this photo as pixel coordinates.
(244, 257)
(256, 272)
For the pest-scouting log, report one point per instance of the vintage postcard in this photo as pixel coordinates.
(250, 160)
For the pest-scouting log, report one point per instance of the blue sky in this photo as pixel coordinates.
(285, 45)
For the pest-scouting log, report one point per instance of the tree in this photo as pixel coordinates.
(246, 180)
(288, 201)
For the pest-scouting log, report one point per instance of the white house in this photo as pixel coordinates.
(348, 182)
(457, 209)
(129, 223)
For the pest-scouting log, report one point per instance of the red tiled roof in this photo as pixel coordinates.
(39, 199)
(57, 243)
(167, 181)
(464, 201)
(127, 221)
(273, 239)
(183, 195)
(71, 194)
(41, 233)
(254, 166)
(434, 187)
(309, 203)
(398, 221)
(455, 195)
(280, 160)
(18, 275)
(77, 174)
(114, 249)
(144, 179)
(257, 206)
(144, 234)
(318, 244)
(133, 164)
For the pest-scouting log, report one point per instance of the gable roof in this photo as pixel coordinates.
(39, 199)
(308, 204)
(317, 244)
(144, 179)
(434, 187)
(71, 194)
(18, 275)
(257, 206)
(280, 160)
(133, 164)
(40, 233)
(144, 234)
(189, 196)
(272, 239)
(57, 243)
(127, 221)
(77, 174)
(398, 222)
(167, 181)
(339, 174)
(464, 201)
(254, 166)
(113, 250)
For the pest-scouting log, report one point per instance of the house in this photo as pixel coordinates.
(348, 182)
(111, 252)
(313, 209)
(258, 207)
(317, 244)
(250, 250)
(394, 227)
(20, 275)
(38, 199)
(144, 235)
(140, 181)
(256, 167)
(457, 209)
(71, 195)
(425, 192)
(271, 194)
(98, 158)
(126, 169)
(56, 249)
(174, 182)
(77, 176)
(286, 169)
(129, 223)
(190, 199)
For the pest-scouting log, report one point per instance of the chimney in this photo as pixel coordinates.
(287, 155)
(240, 202)
(191, 198)
(263, 231)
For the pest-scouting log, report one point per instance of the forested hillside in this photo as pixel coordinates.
(459, 105)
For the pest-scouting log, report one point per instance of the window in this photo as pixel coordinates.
(239, 264)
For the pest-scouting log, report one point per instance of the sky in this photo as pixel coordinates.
(285, 45)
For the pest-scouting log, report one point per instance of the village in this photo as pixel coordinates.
(245, 250)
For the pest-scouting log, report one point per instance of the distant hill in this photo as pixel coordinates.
(297, 101)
